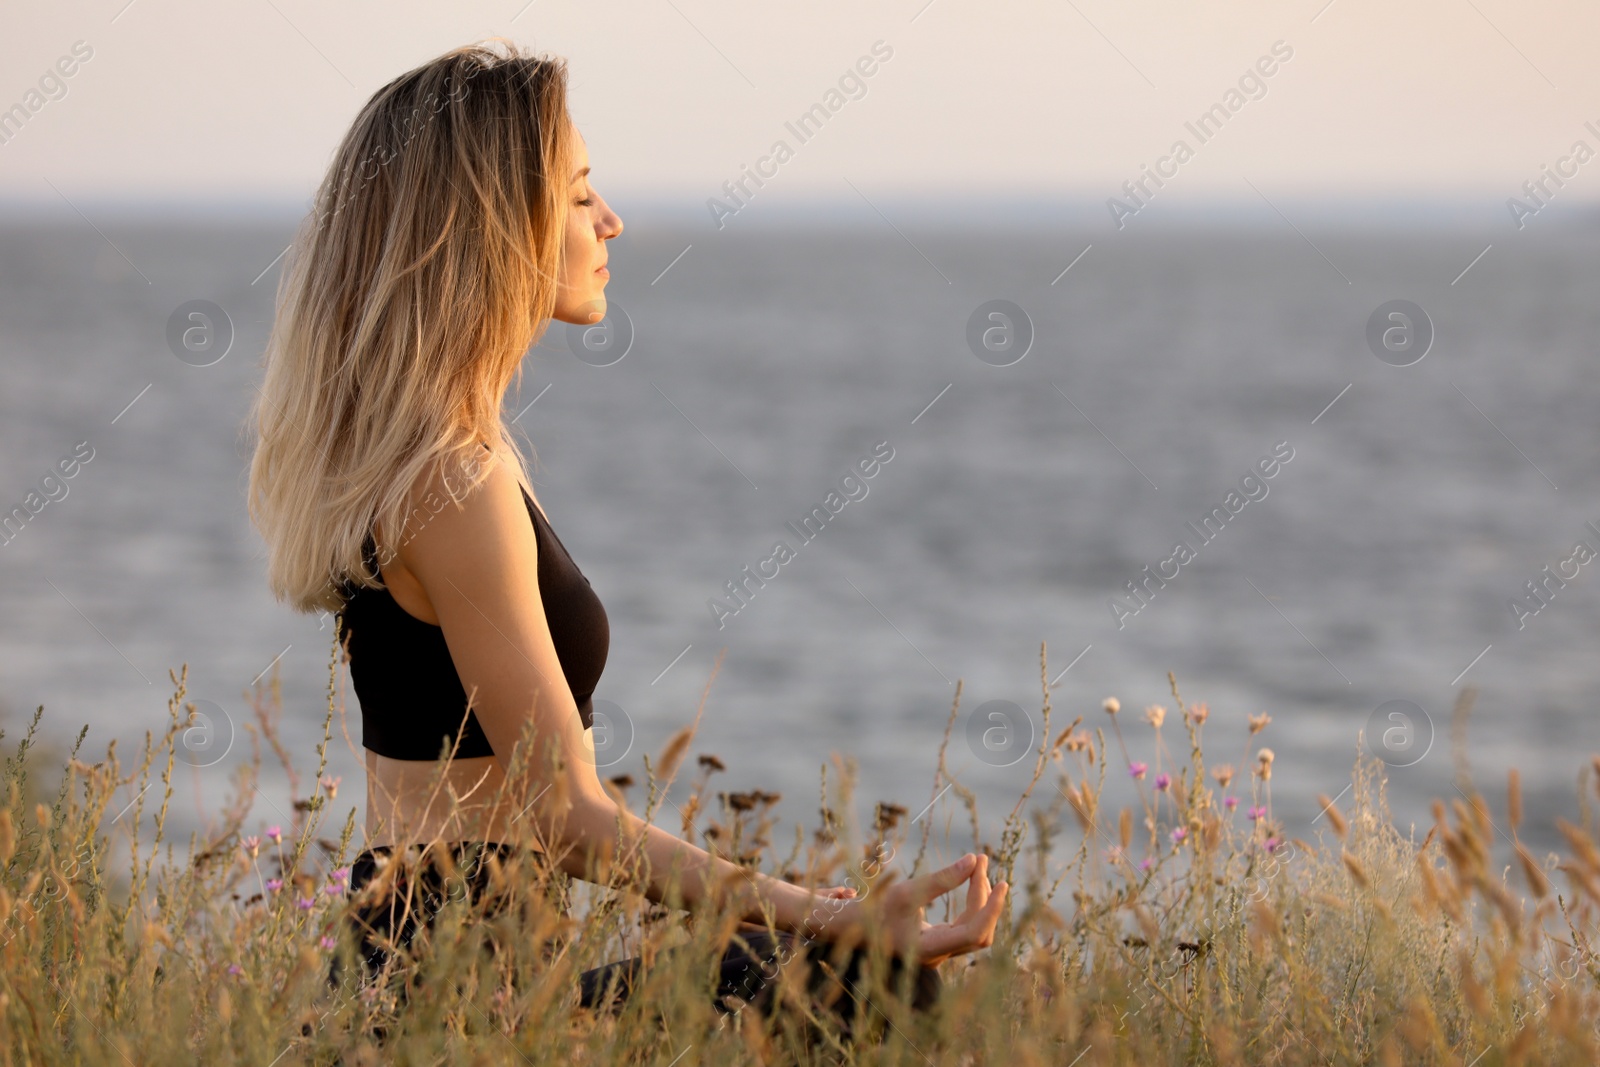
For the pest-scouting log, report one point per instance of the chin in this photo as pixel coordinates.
(585, 313)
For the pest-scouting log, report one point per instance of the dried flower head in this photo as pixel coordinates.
(1112, 705)
(1155, 714)
(1199, 713)
(1259, 723)
(1223, 775)
(1264, 764)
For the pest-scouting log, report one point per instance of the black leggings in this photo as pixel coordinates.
(747, 969)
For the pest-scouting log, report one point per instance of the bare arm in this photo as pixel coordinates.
(478, 564)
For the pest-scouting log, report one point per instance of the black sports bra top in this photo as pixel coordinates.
(411, 697)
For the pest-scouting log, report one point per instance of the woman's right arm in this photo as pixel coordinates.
(478, 564)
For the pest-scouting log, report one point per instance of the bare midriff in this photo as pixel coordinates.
(404, 802)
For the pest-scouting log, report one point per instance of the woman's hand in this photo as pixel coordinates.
(897, 912)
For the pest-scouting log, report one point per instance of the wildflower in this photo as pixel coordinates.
(305, 903)
(1155, 714)
(251, 845)
(1223, 775)
(1114, 854)
(1162, 781)
(274, 884)
(235, 969)
(327, 942)
(1264, 763)
(1137, 770)
(1271, 844)
(1259, 723)
(333, 889)
(1199, 713)
(1230, 803)
(1145, 864)
(1112, 705)
(276, 833)
(1257, 813)
(340, 875)
(1178, 834)
(331, 784)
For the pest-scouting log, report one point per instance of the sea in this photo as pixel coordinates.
(1047, 414)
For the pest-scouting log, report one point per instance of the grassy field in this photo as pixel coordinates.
(1184, 928)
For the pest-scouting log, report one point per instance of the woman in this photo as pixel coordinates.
(456, 222)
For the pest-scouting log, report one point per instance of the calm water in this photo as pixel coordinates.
(1381, 562)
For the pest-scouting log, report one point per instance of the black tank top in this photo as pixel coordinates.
(412, 698)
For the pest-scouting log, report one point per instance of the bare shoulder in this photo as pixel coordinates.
(484, 532)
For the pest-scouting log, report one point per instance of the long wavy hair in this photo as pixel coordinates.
(428, 266)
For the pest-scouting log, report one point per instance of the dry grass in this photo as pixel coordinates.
(1181, 929)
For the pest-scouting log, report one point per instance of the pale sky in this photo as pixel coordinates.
(189, 102)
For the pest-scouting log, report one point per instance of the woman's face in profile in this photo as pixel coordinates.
(581, 297)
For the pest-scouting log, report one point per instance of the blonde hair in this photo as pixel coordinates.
(428, 267)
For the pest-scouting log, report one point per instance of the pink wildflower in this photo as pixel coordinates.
(1137, 770)
(1162, 781)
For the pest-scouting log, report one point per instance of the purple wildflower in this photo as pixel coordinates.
(1257, 813)
(305, 903)
(1137, 770)
(328, 942)
(1230, 803)
(274, 884)
(1179, 833)
(276, 833)
(1162, 781)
